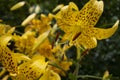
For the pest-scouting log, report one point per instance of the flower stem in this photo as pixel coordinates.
(89, 76)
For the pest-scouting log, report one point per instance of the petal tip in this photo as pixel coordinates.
(100, 5)
(116, 24)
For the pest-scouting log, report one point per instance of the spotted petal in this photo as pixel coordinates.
(65, 18)
(32, 69)
(89, 15)
(6, 56)
(7, 59)
(105, 33)
(86, 41)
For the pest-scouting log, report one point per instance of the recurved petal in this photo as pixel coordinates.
(89, 15)
(105, 33)
(4, 40)
(21, 57)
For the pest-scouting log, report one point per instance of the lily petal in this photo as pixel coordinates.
(21, 57)
(66, 19)
(58, 7)
(89, 15)
(40, 39)
(85, 41)
(67, 14)
(105, 33)
(8, 60)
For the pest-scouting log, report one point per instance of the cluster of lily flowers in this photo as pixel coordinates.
(40, 52)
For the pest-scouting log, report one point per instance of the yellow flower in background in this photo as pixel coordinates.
(79, 25)
(106, 75)
(24, 43)
(6, 29)
(45, 49)
(1, 20)
(39, 40)
(40, 25)
(50, 75)
(54, 55)
(31, 69)
(61, 66)
(60, 63)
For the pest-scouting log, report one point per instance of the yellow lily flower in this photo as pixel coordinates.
(40, 25)
(79, 25)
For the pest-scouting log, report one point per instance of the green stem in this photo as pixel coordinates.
(79, 58)
(105, 25)
(76, 69)
(28, 4)
(57, 66)
(78, 53)
(18, 32)
(89, 76)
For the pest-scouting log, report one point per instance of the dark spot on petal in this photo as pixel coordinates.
(77, 35)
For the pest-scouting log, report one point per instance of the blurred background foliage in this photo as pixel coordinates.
(106, 56)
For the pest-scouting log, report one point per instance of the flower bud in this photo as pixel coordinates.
(18, 5)
(28, 19)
